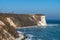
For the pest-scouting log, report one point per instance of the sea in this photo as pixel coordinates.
(49, 32)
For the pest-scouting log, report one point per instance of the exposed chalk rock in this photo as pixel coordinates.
(42, 22)
(8, 19)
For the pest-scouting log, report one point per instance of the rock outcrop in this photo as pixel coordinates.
(9, 23)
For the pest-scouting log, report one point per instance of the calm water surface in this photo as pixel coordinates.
(51, 32)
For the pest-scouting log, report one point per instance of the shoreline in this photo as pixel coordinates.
(21, 36)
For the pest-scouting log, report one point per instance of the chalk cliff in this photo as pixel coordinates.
(9, 23)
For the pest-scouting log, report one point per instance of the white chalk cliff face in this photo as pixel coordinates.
(42, 22)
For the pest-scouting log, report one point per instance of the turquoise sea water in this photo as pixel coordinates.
(51, 32)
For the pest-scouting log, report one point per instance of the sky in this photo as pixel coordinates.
(51, 8)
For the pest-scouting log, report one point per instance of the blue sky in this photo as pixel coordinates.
(51, 8)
